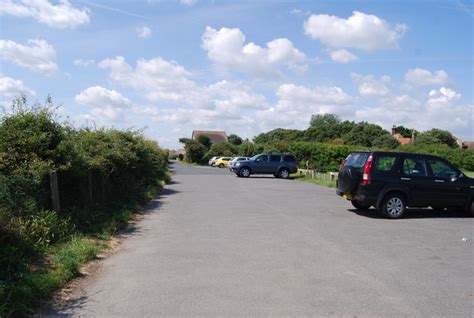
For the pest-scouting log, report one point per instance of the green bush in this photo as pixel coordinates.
(103, 174)
(320, 156)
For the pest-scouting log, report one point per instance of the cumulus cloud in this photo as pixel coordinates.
(343, 56)
(422, 77)
(105, 104)
(62, 15)
(83, 62)
(369, 86)
(143, 32)
(440, 109)
(10, 87)
(38, 56)
(296, 104)
(226, 48)
(360, 31)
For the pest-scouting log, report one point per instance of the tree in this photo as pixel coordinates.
(235, 139)
(222, 149)
(323, 119)
(436, 137)
(246, 149)
(365, 134)
(279, 134)
(195, 152)
(385, 141)
(405, 132)
(205, 141)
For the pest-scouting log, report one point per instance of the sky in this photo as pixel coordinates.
(246, 67)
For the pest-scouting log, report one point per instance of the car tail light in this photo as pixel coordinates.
(366, 178)
(342, 164)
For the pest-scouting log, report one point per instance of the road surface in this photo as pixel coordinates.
(214, 245)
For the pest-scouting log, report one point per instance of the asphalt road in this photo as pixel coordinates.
(214, 245)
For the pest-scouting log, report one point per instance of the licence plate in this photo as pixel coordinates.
(347, 196)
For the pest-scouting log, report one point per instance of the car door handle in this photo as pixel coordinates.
(406, 179)
(439, 181)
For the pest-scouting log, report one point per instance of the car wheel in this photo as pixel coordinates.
(359, 205)
(244, 172)
(213, 164)
(394, 206)
(221, 165)
(284, 173)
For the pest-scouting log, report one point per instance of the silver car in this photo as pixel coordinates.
(235, 160)
(212, 161)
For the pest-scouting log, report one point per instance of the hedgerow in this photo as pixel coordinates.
(102, 175)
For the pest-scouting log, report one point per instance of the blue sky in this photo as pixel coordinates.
(242, 66)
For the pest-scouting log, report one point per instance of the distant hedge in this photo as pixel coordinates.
(320, 156)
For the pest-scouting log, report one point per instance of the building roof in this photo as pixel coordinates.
(402, 140)
(214, 135)
(468, 144)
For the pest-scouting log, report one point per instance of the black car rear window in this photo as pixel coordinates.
(385, 163)
(289, 159)
(357, 159)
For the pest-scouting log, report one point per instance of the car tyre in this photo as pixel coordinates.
(244, 172)
(394, 206)
(360, 206)
(284, 173)
(221, 165)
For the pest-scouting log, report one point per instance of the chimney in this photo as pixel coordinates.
(394, 129)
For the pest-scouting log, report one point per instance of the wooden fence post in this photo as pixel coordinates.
(53, 183)
(91, 197)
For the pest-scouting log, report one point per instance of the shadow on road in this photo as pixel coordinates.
(414, 214)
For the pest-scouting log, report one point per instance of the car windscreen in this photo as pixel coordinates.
(357, 159)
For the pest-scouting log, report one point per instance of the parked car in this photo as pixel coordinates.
(391, 181)
(279, 164)
(223, 162)
(235, 160)
(212, 161)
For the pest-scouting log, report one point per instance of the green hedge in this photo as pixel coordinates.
(102, 175)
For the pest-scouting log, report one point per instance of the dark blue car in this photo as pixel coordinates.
(281, 165)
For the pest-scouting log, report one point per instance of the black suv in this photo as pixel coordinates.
(281, 165)
(391, 181)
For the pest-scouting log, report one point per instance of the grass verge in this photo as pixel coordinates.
(37, 272)
(319, 179)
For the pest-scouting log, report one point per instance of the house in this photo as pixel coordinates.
(215, 135)
(468, 145)
(402, 140)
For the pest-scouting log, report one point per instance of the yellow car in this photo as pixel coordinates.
(223, 162)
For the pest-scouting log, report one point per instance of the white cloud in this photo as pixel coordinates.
(143, 32)
(158, 79)
(10, 87)
(422, 77)
(39, 56)
(440, 109)
(106, 105)
(62, 15)
(360, 31)
(369, 86)
(343, 56)
(188, 3)
(83, 62)
(296, 104)
(441, 98)
(225, 47)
